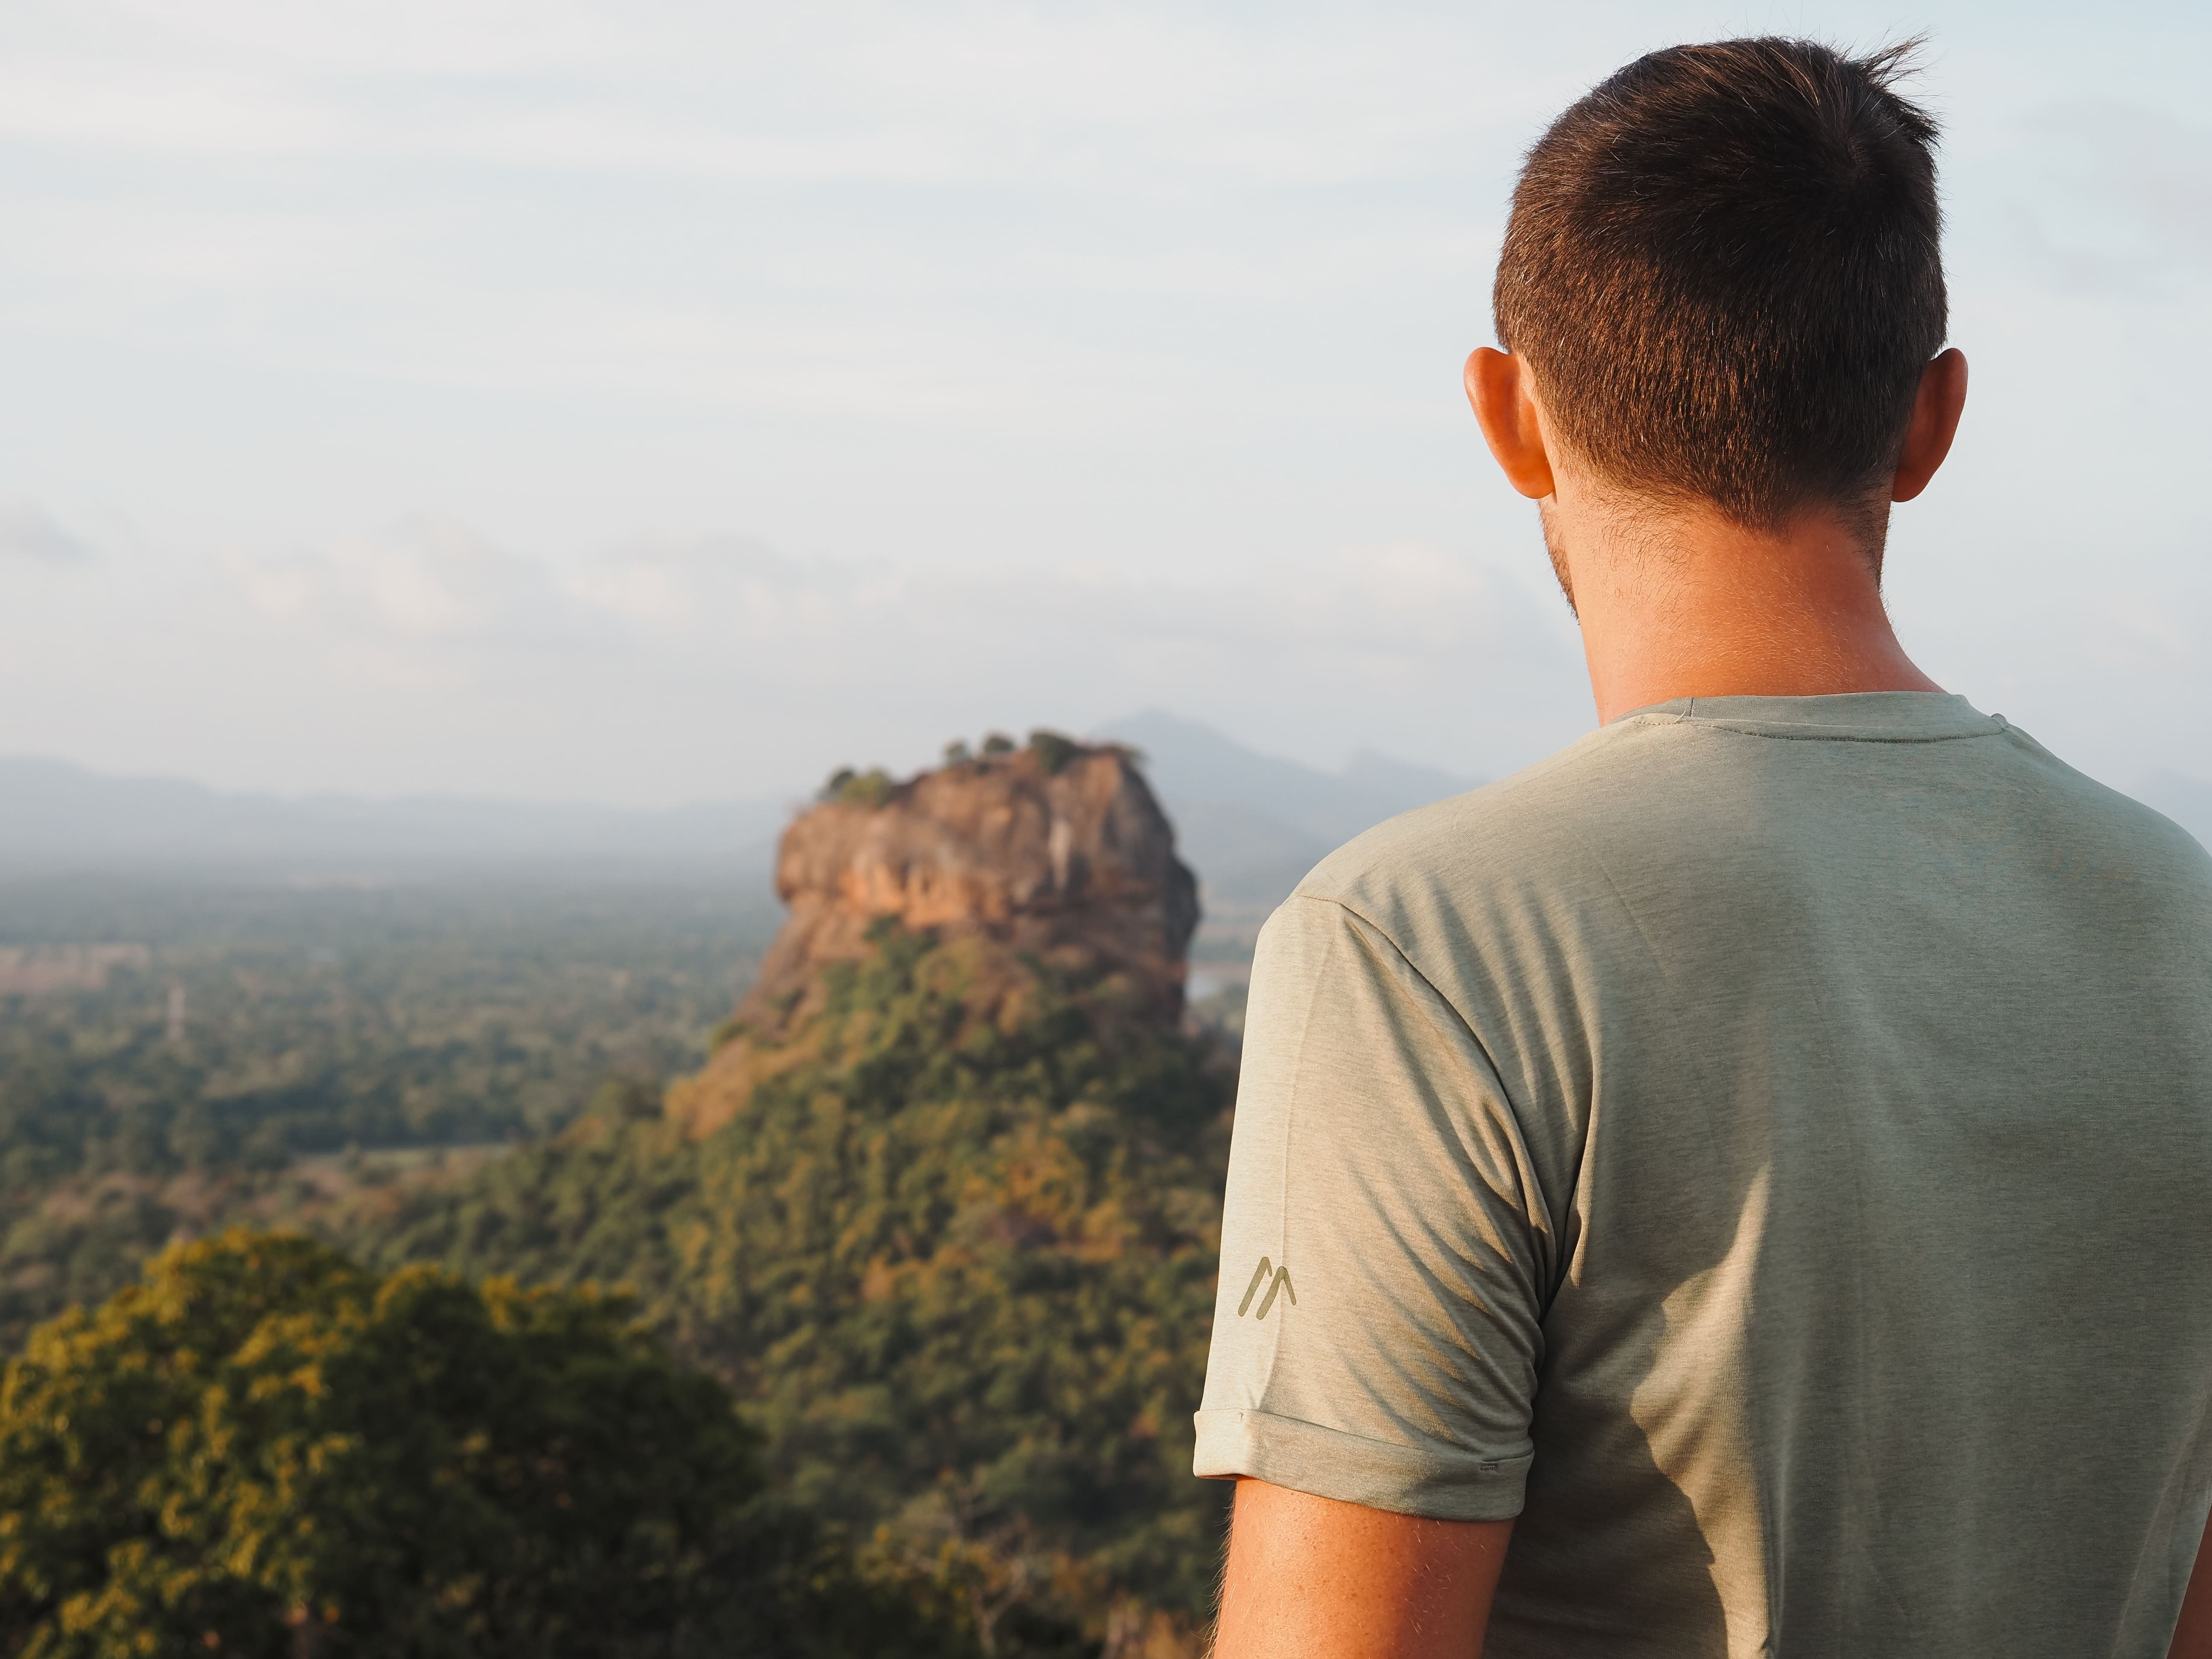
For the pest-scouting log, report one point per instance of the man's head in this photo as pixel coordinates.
(1723, 268)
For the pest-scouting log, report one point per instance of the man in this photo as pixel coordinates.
(1743, 1186)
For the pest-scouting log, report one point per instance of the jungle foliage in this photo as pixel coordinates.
(954, 1271)
(262, 1449)
(960, 1272)
(416, 1017)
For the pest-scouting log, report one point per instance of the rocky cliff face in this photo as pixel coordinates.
(1055, 856)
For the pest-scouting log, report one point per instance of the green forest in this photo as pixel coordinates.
(334, 1043)
(930, 1308)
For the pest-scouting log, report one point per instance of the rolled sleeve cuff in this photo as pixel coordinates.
(1439, 1482)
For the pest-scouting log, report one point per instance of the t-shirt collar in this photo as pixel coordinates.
(1905, 716)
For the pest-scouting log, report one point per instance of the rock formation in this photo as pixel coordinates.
(1056, 856)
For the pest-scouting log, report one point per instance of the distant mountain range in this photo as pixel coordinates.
(54, 816)
(1252, 824)
(1249, 824)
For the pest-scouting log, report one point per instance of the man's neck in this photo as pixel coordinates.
(1688, 604)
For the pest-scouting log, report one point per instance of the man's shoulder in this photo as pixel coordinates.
(1522, 833)
(1659, 798)
(2119, 821)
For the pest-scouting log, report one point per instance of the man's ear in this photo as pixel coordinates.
(1504, 394)
(1935, 411)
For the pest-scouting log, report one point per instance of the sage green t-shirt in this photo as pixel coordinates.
(1767, 1148)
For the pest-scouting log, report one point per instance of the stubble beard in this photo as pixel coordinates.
(1555, 547)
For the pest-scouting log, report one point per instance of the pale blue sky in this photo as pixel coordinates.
(636, 402)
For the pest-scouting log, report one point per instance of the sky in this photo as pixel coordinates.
(645, 402)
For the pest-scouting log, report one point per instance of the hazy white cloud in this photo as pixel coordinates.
(1148, 97)
(1062, 360)
(675, 666)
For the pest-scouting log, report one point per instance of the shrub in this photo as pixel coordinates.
(872, 789)
(626, 1099)
(1053, 751)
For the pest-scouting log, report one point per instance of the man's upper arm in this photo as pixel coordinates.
(1385, 1251)
(1312, 1576)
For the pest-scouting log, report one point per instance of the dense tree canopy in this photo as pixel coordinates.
(265, 1450)
(950, 1255)
(961, 1271)
(390, 1021)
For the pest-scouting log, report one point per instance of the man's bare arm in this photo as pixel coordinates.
(1323, 1580)
(2192, 1637)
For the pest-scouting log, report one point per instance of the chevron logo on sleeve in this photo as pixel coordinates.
(1277, 1279)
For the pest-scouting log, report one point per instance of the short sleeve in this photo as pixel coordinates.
(1378, 1329)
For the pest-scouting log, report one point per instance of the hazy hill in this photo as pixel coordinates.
(1252, 824)
(54, 815)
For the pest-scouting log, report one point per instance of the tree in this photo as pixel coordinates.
(265, 1449)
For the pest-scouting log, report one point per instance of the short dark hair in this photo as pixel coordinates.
(1724, 267)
